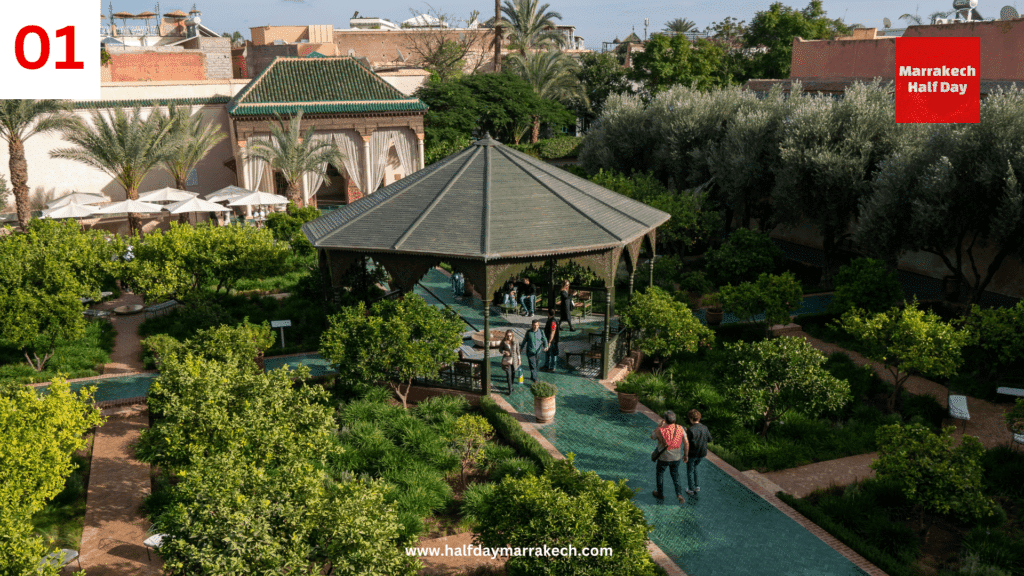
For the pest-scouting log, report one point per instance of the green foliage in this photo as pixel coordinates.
(47, 271)
(999, 332)
(289, 517)
(293, 154)
(513, 434)
(71, 358)
(440, 150)
(664, 327)
(743, 257)
(214, 406)
(393, 343)
(667, 61)
(601, 75)
(774, 296)
(183, 260)
(40, 432)
(907, 340)
(691, 222)
(62, 519)
(565, 507)
(775, 29)
(287, 226)
(1015, 417)
(866, 284)
(552, 148)
(469, 435)
(863, 525)
(543, 389)
(238, 345)
(933, 474)
(771, 377)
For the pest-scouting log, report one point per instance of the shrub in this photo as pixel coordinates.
(774, 296)
(568, 507)
(743, 257)
(999, 332)
(996, 548)
(662, 326)
(512, 433)
(515, 467)
(543, 389)
(867, 284)
(469, 435)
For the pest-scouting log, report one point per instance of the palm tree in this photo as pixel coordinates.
(553, 76)
(915, 20)
(194, 140)
(127, 146)
(530, 26)
(680, 25)
(497, 36)
(19, 121)
(296, 154)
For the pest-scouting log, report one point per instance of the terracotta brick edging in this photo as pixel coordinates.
(847, 552)
(657, 554)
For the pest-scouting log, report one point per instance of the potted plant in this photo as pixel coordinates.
(544, 401)
(714, 313)
(628, 391)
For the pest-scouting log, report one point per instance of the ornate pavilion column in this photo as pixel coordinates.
(366, 135)
(419, 142)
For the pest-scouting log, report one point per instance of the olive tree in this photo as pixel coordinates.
(772, 377)
(955, 194)
(392, 343)
(907, 340)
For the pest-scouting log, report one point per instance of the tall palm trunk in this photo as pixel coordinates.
(497, 35)
(536, 130)
(294, 193)
(180, 184)
(19, 181)
(134, 219)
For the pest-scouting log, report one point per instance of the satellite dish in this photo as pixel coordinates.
(351, 52)
(887, 23)
(400, 55)
(1008, 13)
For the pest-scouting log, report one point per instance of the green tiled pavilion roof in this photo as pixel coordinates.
(484, 203)
(322, 86)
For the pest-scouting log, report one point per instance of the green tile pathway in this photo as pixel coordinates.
(725, 530)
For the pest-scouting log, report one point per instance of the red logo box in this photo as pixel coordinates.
(938, 80)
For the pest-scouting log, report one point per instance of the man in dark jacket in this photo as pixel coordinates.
(533, 344)
(699, 437)
(528, 297)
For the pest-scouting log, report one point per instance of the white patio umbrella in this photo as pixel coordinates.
(77, 198)
(167, 195)
(227, 193)
(195, 205)
(130, 207)
(259, 199)
(70, 210)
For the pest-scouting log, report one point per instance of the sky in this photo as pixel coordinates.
(596, 21)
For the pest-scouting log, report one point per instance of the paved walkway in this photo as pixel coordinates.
(114, 528)
(127, 354)
(801, 481)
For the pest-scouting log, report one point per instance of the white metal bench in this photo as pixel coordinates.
(60, 558)
(161, 308)
(958, 408)
(1017, 439)
(1019, 392)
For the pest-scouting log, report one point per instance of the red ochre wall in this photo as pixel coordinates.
(1001, 46)
(157, 66)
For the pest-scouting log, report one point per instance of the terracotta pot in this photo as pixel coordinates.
(628, 402)
(544, 409)
(714, 318)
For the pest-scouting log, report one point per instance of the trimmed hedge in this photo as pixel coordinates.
(872, 554)
(552, 148)
(510, 431)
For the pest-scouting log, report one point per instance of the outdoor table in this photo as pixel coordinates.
(97, 314)
(590, 332)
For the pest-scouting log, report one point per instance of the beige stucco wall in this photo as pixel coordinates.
(53, 178)
(406, 81)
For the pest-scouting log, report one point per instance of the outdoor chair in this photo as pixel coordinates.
(584, 301)
(60, 559)
(958, 408)
(466, 373)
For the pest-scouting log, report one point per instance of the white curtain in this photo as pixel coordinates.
(351, 145)
(380, 146)
(255, 168)
(311, 182)
(403, 143)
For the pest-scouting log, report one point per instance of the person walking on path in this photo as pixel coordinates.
(698, 437)
(551, 351)
(511, 358)
(528, 297)
(673, 446)
(534, 343)
(566, 306)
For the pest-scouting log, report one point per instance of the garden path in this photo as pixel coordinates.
(127, 354)
(802, 480)
(114, 529)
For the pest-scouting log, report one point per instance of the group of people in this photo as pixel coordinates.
(522, 293)
(533, 344)
(675, 444)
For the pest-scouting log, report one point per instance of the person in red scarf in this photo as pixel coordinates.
(673, 445)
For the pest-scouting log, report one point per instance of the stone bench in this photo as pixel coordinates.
(161, 308)
(958, 408)
(1019, 392)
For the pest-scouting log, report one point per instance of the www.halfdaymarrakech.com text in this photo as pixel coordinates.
(938, 86)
